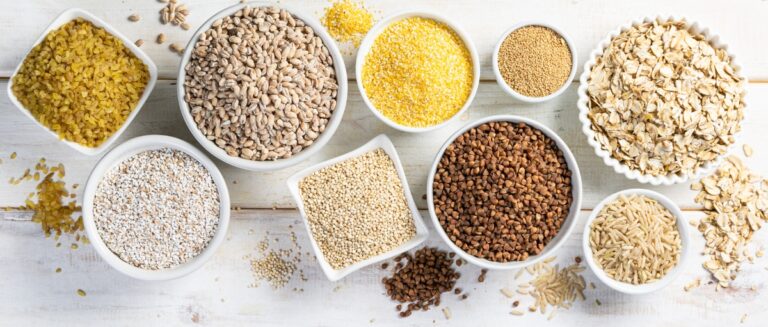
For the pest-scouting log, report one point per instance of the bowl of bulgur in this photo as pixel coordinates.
(82, 81)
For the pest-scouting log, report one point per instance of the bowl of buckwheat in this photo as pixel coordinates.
(661, 100)
(504, 192)
(262, 88)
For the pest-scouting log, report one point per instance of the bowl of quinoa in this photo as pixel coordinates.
(417, 71)
(156, 208)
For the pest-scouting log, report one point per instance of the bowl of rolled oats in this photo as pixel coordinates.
(262, 88)
(661, 100)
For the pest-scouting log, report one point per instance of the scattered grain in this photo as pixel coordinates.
(160, 38)
(735, 201)
(747, 150)
(139, 42)
(134, 17)
(347, 21)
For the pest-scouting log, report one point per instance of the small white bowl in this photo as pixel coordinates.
(627, 288)
(503, 84)
(320, 142)
(583, 100)
(64, 18)
(383, 142)
(118, 155)
(565, 230)
(365, 48)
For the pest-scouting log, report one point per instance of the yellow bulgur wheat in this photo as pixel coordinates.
(53, 207)
(418, 72)
(347, 21)
(81, 82)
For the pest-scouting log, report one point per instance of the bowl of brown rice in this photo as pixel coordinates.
(636, 241)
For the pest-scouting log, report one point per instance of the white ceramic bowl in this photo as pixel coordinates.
(115, 157)
(365, 48)
(682, 227)
(503, 84)
(322, 140)
(64, 18)
(383, 142)
(565, 230)
(586, 128)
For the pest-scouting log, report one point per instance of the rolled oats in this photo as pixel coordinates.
(736, 205)
(663, 100)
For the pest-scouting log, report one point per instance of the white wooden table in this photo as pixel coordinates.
(31, 293)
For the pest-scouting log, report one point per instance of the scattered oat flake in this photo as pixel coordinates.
(447, 313)
(747, 150)
(516, 313)
(507, 292)
(13, 155)
(80, 292)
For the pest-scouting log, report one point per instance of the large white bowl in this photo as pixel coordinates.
(565, 230)
(115, 157)
(365, 48)
(64, 18)
(253, 165)
(503, 84)
(383, 142)
(685, 239)
(586, 128)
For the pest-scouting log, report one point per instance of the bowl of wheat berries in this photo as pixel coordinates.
(262, 88)
(504, 192)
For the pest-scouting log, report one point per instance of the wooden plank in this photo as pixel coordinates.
(586, 22)
(219, 293)
(266, 190)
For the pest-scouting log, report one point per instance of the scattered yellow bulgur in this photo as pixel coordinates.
(81, 82)
(347, 21)
(418, 73)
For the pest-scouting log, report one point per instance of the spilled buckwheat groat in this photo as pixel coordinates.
(736, 205)
(421, 280)
(502, 191)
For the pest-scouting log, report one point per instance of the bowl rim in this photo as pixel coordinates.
(118, 155)
(683, 230)
(378, 28)
(67, 16)
(323, 138)
(565, 230)
(607, 158)
(422, 232)
(500, 79)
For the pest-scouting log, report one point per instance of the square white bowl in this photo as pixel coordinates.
(64, 18)
(383, 142)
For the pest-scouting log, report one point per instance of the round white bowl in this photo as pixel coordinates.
(115, 157)
(66, 17)
(586, 128)
(320, 142)
(685, 250)
(503, 84)
(565, 230)
(365, 48)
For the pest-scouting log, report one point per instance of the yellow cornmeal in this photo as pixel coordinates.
(418, 72)
(81, 82)
(347, 21)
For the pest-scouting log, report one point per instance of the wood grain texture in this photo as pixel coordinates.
(740, 24)
(219, 293)
(161, 115)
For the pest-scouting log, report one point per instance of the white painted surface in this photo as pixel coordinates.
(31, 293)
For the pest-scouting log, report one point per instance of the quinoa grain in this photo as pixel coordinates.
(357, 209)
